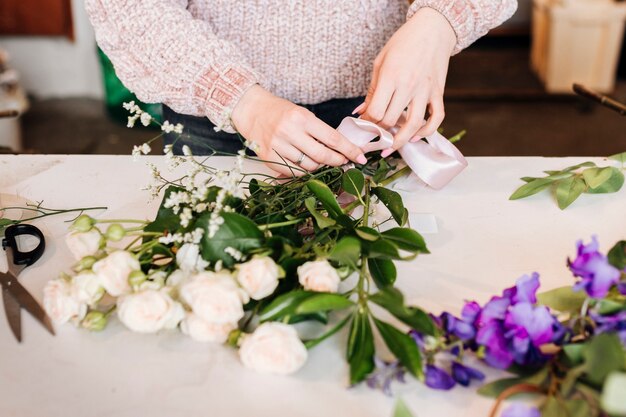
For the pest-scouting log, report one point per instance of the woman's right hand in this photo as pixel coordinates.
(283, 131)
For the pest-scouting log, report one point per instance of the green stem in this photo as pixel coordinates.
(121, 221)
(364, 273)
(396, 175)
(52, 213)
(280, 224)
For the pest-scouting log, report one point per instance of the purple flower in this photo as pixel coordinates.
(464, 374)
(437, 378)
(615, 323)
(525, 289)
(521, 410)
(596, 273)
(384, 375)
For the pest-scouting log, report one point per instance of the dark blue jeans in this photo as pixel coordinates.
(202, 139)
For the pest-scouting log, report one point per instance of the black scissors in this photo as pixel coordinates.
(14, 294)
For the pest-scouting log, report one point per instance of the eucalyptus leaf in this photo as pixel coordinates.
(383, 272)
(617, 255)
(613, 394)
(612, 185)
(581, 165)
(604, 354)
(347, 251)
(393, 201)
(401, 409)
(360, 347)
(353, 182)
(323, 302)
(619, 157)
(406, 239)
(402, 346)
(568, 190)
(392, 300)
(595, 177)
(326, 197)
(533, 187)
(237, 231)
(563, 299)
(322, 221)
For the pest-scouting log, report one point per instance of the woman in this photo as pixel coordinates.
(227, 66)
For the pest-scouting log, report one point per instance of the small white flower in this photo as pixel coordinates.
(178, 128)
(214, 297)
(258, 277)
(149, 311)
(236, 254)
(189, 259)
(145, 119)
(204, 331)
(85, 243)
(273, 348)
(113, 272)
(187, 151)
(60, 304)
(146, 149)
(86, 288)
(319, 276)
(131, 121)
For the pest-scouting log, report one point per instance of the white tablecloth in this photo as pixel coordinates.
(484, 242)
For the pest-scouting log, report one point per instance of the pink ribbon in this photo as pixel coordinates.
(435, 162)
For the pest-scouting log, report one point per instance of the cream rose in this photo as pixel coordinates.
(60, 304)
(188, 258)
(149, 311)
(84, 244)
(214, 297)
(258, 277)
(319, 276)
(113, 272)
(86, 288)
(204, 331)
(273, 348)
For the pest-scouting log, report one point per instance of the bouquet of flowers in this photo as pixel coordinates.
(238, 258)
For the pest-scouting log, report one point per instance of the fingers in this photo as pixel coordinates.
(414, 121)
(437, 114)
(396, 107)
(297, 157)
(335, 140)
(381, 97)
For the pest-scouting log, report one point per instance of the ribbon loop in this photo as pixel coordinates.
(435, 161)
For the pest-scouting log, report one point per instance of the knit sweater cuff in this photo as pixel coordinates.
(458, 13)
(219, 90)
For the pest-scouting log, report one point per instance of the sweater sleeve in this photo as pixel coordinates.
(470, 19)
(164, 55)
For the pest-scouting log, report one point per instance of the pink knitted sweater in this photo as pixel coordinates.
(200, 56)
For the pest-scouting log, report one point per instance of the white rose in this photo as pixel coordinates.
(258, 277)
(273, 348)
(86, 288)
(204, 331)
(188, 258)
(114, 270)
(177, 278)
(84, 244)
(60, 304)
(149, 311)
(214, 297)
(319, 276)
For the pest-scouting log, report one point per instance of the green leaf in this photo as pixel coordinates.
(360, 348)
(325, 196)
(604, 354)
(571, 379)
(531, 188)
(495, 388)
(568, 190)
(383, 271)
(613, 401)
(406, 239)
(237, 231)
(581, 165)
(393, 201)
(165, 219)
(619, 157)
(381, 172)
(314, 342)
(347, 251)
(401, 409)
(595, 177)
(456, 138)
(353, 182)
(402, 346)
(612, 185)
(392, 300)
(323, 302)
(322, 221)
(617, 255)
(284, 305)
(367, 233)
(606, 306)
(382, 248)
(574, 352)
(563, 299)
(568, 408)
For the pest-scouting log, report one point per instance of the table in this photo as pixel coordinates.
(484, 242)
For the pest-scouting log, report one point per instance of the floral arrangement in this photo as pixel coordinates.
(229, 252)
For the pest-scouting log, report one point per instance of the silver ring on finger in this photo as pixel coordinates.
(300, 159)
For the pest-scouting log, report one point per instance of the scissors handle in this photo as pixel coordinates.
(10, 240)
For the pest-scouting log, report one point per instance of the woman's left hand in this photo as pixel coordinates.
(411, 71)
